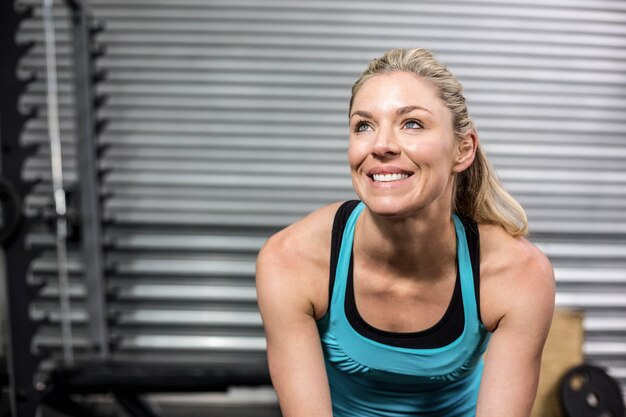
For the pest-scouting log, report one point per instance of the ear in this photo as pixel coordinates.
(465, 152)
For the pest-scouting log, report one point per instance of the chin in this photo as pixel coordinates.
(387, 206)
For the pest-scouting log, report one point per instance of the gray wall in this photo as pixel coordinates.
(228, 121)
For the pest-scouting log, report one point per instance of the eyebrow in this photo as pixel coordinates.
(361, 113)
(400, 111)
(408, 109)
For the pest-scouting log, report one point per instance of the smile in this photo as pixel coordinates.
(389, 177)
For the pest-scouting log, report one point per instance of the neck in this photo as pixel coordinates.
(422, 246)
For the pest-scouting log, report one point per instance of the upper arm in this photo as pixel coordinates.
(513, 358)
(287, 284)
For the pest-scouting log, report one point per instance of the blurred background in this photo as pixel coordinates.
(180, 134)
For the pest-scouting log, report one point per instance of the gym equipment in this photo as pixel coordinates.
(41, 376)
(54, 133)
(18, 255)
(588, 391)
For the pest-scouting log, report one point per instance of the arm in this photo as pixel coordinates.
(512, 363)
(293, 346)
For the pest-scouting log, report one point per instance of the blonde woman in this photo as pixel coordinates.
(385, 306)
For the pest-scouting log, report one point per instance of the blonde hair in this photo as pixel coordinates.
(477, 191)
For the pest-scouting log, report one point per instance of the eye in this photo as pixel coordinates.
(361, 126)
(413, 124)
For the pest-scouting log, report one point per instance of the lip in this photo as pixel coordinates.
(387, 169)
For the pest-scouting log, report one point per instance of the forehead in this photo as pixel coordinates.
(390, 91)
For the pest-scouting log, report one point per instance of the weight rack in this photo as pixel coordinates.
(36, 378)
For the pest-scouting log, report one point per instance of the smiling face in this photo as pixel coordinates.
(403, 154)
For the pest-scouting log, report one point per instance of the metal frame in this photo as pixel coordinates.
(127, 382)
(87, 130)
(28, 388)
(22, 362)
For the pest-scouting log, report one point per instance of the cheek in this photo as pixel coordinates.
(356, 154)
(432, 152)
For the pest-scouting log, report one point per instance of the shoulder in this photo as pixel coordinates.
(295, 261)
(515, 277)
(515, 256)
(305, 240)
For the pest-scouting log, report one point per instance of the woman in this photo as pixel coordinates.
(385, 307)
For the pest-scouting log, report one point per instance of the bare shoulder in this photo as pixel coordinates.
(293, 263)
(307, 240)
(515, 276)
(517, 256)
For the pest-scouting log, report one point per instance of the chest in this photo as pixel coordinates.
(401, 304)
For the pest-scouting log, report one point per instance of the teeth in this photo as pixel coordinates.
(389, 177)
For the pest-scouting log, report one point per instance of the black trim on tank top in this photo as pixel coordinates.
(339, 224)
(444, 332)
(473, 245)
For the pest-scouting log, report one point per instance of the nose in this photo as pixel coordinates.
(386, 143)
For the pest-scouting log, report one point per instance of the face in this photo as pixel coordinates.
(403, 154)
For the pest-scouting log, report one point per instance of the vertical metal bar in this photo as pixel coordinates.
(89, 184)
(57, 182)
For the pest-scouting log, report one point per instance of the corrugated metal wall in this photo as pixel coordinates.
(228, 120)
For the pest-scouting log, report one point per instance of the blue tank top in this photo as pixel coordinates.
(372, 372)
